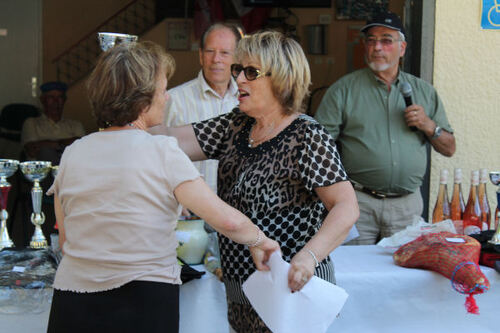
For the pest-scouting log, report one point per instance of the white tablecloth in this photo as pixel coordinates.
(383, 297)
(202, 307)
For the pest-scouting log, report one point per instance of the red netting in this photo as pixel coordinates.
(458, 261)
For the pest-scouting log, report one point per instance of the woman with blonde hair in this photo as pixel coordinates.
(118, 194)
(276, 165)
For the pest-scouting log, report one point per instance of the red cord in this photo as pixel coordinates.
(470, 304)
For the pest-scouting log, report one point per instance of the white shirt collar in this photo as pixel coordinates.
(205, 87)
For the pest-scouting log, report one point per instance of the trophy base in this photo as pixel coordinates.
(5, 240)
(39, 244)
(38, 241)
(494, 241)
(6, 243)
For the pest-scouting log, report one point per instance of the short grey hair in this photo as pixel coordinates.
(401, 36)
(236, 30)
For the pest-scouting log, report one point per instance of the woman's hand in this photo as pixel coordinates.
(262, 252)
(301, 270)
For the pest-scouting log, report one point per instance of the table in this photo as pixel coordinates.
(202, 307)
(383, 297)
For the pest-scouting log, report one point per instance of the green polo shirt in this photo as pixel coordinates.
(377, 148)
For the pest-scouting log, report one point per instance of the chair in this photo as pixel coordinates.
(12, 118)
(310, 104)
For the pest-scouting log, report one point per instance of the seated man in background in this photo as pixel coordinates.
(45, 137)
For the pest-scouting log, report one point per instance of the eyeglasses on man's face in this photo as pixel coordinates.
(384, 41)
(251, 73)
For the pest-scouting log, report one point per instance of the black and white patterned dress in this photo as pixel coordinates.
(273, 184)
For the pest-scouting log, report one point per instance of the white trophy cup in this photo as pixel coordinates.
(109, 39)
(36, 171)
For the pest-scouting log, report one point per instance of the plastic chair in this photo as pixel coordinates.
(12, 118)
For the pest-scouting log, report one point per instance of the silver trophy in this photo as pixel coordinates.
(55, 169)
(7, 169)
(109, 39)
(36, 171)
(495, 179)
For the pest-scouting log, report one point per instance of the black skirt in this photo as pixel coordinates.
(138, 306)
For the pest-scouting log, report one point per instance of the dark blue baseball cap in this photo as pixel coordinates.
(53, 85)
(385, 19)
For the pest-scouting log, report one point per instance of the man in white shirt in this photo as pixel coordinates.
(45, 137)
(212, 93)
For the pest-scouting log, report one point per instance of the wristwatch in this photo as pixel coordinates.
(437, 132)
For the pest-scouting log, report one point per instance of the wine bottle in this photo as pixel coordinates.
(441, 210)
(457, 205)
(483, 199)
(472, 213)
(496, 218)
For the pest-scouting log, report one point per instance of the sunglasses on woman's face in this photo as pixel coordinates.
(251, 73)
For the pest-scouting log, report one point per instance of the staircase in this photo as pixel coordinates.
(76, 62)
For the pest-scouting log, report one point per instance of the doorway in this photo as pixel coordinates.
(20, 47)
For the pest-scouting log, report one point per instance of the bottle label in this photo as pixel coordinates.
(472, 229)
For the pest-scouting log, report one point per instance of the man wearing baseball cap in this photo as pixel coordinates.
(381, 139)
(45, 137)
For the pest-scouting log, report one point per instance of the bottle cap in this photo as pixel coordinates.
(483, 176)
(444, 176)
(458, 175)
(475, 177)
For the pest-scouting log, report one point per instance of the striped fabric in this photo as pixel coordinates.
(195, 101)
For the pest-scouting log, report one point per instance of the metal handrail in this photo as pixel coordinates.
(77, 61)
(93, 32)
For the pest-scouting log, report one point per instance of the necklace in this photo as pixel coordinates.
(119, 128)
(256, 142)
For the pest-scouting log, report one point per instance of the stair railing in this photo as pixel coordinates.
(77, 61)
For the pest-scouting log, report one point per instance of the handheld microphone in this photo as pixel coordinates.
(405, 89)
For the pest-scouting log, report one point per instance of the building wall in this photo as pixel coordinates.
(467, 77)
(66, 22)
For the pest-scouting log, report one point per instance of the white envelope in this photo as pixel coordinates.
(312, 309)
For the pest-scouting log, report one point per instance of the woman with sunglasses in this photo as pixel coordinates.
(276, 165)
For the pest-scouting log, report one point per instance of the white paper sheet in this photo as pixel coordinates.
(311, 309)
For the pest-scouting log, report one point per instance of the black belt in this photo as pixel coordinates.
(376, 194)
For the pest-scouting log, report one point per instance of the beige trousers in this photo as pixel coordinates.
(380, 218)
